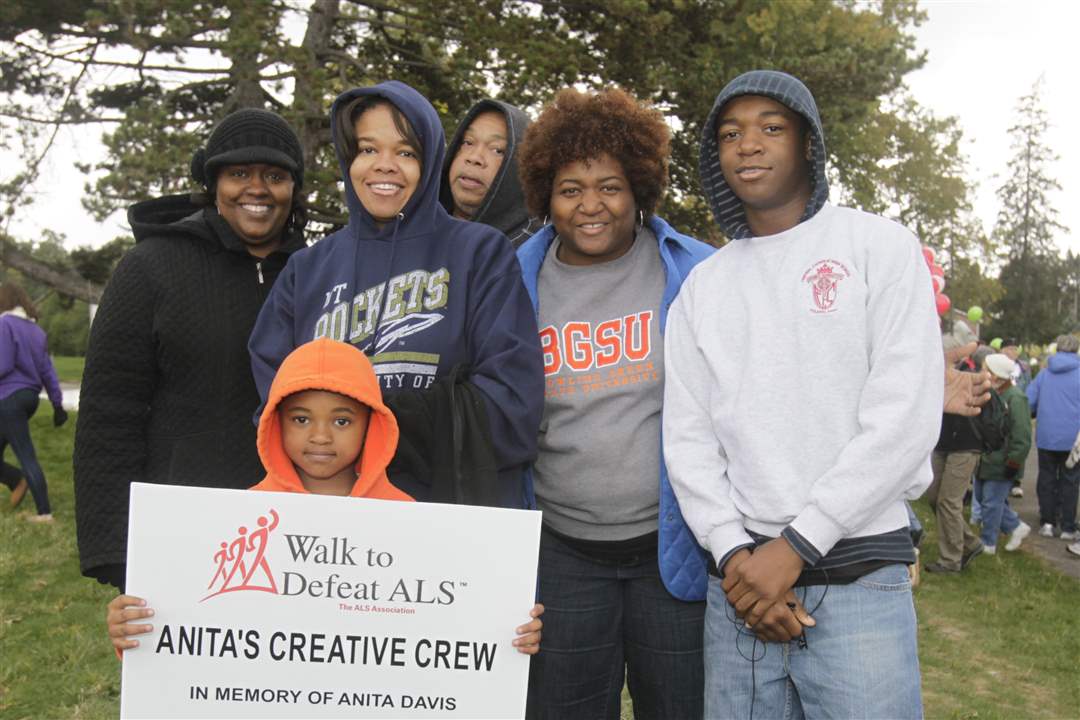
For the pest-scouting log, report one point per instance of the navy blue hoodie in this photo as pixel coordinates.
(443, 291)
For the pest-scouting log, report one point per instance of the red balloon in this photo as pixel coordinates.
(943, 303)
(937, 270)
(939, 283)
(928, 253)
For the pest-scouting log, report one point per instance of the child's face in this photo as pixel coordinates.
(323, 434)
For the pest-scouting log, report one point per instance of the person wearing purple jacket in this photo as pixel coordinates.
(25, 368)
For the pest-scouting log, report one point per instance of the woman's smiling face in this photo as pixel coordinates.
(386, 169)
(255, 201)
(593, 210)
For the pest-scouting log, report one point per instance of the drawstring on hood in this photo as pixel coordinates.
(790, 92)
(504, 205)
(325, 364)
(373, 347)
(418, 214)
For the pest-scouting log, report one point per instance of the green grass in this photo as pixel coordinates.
(999, 641)
(57, 661)
(68, 368)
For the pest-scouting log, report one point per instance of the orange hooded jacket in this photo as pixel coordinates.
(328, 365)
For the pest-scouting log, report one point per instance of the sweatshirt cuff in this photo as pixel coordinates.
(726, 539)
(815, 529)
(801, 546)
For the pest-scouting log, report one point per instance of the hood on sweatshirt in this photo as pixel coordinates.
(503, 207)
(177, 215)
(419, 212)
(326, 364)
(788, 91)
(1063, 362)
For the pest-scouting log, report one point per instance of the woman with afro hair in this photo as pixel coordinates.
(620, 574)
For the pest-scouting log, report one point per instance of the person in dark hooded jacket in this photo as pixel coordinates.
(423, 294)
(167, 395)
(480, 178)
(802, 402)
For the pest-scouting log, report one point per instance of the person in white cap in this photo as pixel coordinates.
(998, 469)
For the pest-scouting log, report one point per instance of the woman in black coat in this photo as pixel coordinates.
(167, 395)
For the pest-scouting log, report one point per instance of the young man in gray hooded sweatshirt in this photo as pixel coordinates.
(803, 400)
(480, 179)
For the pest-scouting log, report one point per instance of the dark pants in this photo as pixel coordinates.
(604, 619)
(15, 412)
(1058, 488)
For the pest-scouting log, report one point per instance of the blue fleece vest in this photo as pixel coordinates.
(682, 561)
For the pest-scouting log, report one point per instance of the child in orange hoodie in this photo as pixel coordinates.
(324, 431)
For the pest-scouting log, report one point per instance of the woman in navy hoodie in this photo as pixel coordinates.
(418, 291)
(25, 368)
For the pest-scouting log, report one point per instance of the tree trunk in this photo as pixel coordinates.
(307, 99)
(63, 281)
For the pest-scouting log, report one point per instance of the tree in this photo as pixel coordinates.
(159, 74)
(1026, 226)
(47, 264)
(1069, 300)
(41, 268)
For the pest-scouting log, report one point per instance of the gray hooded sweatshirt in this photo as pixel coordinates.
(804, 374)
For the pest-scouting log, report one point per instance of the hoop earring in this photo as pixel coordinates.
(641, 218)
(545, 220)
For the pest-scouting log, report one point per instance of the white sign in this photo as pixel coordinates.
(278, 605)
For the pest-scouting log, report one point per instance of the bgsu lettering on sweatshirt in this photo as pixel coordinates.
(611, 353)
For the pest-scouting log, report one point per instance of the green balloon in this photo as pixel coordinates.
(975, 313)
(996, 343)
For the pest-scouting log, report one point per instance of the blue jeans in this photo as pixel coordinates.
(860, 660)
(976, 502)
(601, 618)
(15, 412)
(997, 516)
(1058, 488)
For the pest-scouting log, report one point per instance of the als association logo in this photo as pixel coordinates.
(824, 279)
(242, 564)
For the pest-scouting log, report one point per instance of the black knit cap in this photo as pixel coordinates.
(247, 136)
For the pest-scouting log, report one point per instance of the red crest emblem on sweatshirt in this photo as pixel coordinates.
(824, 278)
(241, 564)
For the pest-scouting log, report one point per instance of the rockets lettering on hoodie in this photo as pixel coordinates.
(404, 306)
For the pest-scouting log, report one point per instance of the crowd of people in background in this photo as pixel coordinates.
(982, 458)
(723, 444)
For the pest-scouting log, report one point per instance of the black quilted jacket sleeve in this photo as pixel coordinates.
(110, 439)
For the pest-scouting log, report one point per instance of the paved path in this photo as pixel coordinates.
(1053, 549)
(71, 395)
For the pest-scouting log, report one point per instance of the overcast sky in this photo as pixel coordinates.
(982, 56)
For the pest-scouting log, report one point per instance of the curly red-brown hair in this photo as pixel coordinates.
(579, 126)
